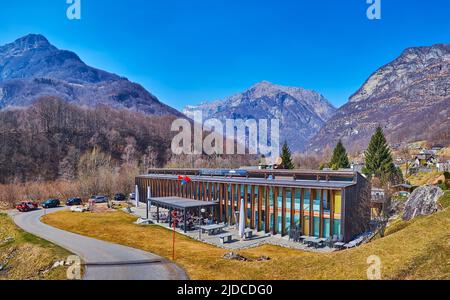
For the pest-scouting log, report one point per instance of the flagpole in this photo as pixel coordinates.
(174, 217)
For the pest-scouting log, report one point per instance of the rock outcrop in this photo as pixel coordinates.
(422, 202)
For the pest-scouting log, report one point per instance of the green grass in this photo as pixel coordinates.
(396, 226)
(445, 200)
(27, 256)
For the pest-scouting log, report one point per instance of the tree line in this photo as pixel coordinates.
(378, 160)
(48, 140)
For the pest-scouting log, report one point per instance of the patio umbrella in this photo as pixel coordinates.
(242, 219)
(149, 195)
(137, 196)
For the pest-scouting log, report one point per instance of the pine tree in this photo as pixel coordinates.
(286, 156)
(339, 160)
(379, 161)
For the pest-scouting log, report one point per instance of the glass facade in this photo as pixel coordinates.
(319, 215)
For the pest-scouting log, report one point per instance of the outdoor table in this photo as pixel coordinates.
(311, 241)
(212, 229)
(339, 245)
(320, 242)
(304, 237)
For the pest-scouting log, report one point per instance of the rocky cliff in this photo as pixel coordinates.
(408, 97)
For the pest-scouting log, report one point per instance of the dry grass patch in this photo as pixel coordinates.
(399, 251)
(423, 178)
(26, 257)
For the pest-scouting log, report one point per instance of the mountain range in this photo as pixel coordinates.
(301, 112)
(31, 68)
(409, 97)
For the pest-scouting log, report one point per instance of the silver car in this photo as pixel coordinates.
(99, 199)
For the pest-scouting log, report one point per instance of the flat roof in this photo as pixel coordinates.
(181, 203)
(322, 184)
(258, 171)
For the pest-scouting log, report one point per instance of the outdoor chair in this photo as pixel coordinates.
(225, 238)
(248, 234)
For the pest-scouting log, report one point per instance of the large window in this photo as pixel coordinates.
(288, 210)
(316, 200)
(279, 212)
(306, 201)
(337, 214)
(263, 211)
(326, 202)
(297, 219)
(316, 224)
(271, 205)
(326, 229)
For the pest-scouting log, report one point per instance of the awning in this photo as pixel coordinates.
(181, 203)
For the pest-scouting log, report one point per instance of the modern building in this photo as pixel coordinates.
(321, 204)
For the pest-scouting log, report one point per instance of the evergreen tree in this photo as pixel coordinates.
(379, 161)
(286, 156)
(339, 160)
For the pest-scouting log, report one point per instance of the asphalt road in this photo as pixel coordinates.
(103, 260)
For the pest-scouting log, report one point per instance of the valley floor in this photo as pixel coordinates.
(415, 250)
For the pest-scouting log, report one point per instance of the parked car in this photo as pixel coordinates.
(51, 203)
(99, 199)
(120, 197)
(26, 206)
(79, 208)
(74, 201)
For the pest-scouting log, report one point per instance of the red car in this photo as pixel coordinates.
(26, 206)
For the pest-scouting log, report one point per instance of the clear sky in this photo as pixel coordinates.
(187, 51)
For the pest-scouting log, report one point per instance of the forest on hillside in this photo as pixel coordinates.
(51, 139)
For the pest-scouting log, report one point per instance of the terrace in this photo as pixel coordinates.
(195, 219)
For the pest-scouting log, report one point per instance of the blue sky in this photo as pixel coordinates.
(188, 51)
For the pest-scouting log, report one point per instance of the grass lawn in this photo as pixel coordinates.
(27, 256)
(420, 250)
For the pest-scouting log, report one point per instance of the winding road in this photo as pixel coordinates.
(103, 260)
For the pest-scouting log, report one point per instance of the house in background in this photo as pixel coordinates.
(443, 166)
(425, 158)
(403, 190)
(380, 203)
(437, 148)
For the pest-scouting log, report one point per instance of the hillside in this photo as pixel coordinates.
(47, 140)
(409, 97)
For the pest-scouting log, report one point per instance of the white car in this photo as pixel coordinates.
(79, 209)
